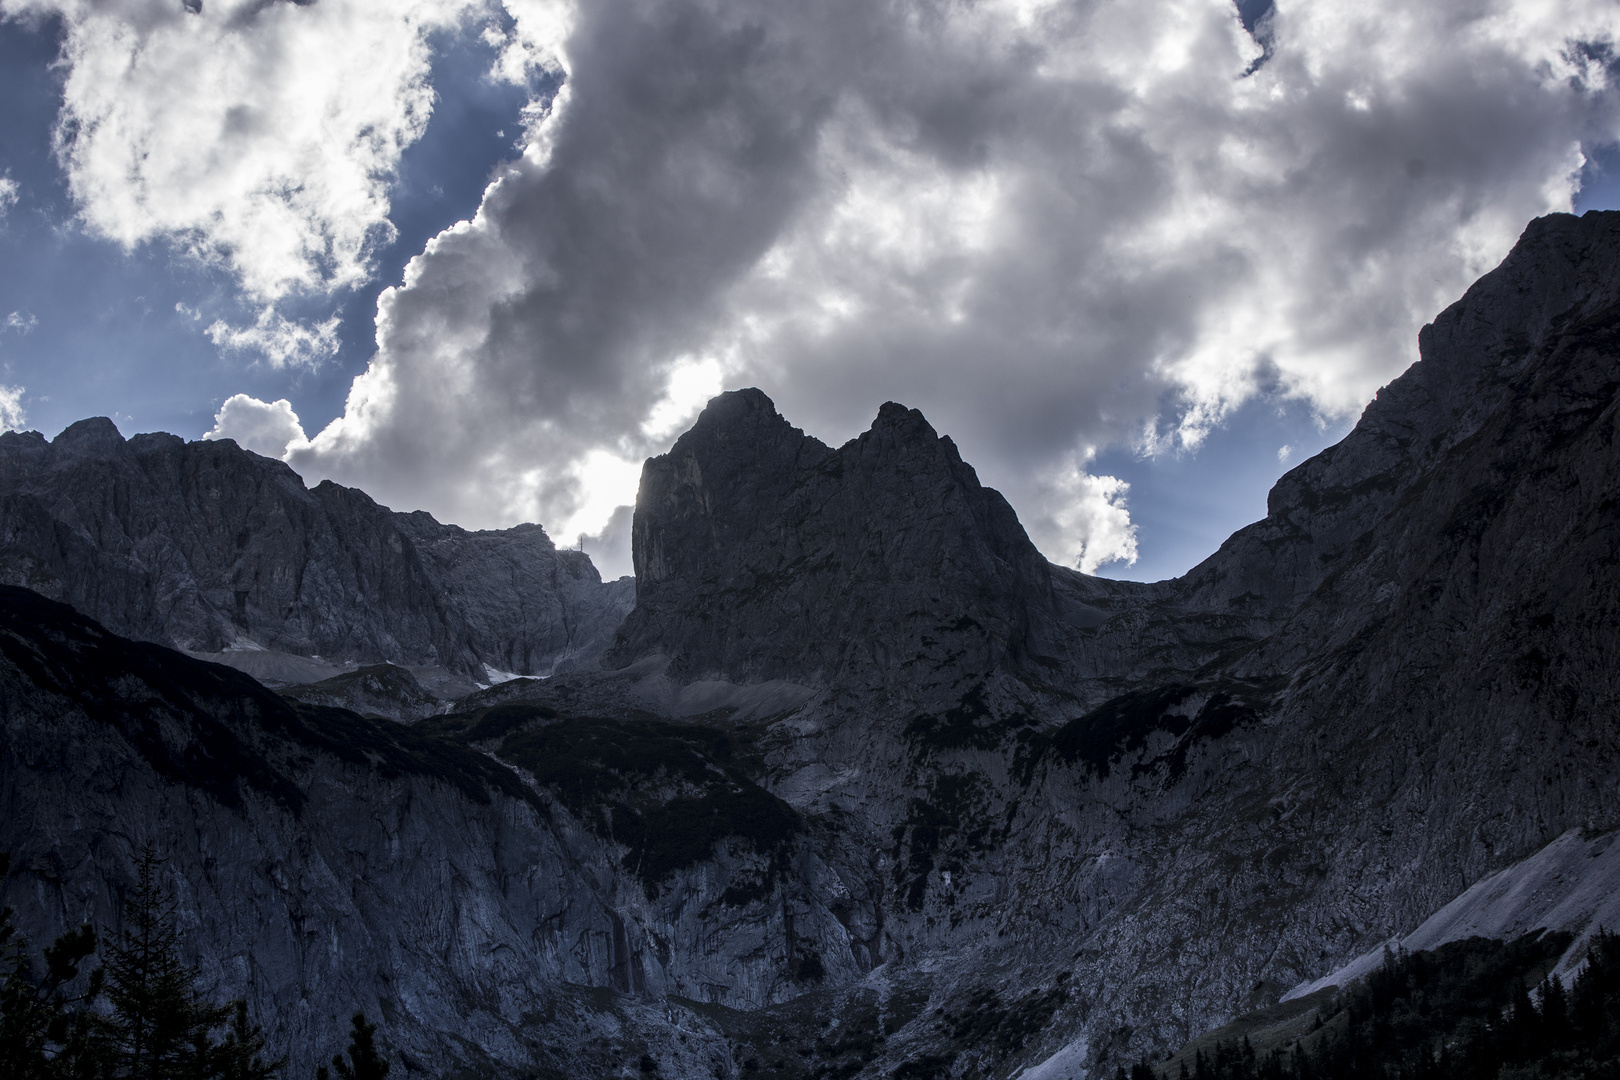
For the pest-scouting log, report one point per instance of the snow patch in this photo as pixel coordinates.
(496, 677)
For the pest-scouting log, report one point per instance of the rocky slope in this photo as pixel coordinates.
(466, 879)
(217, 550)
(869, 789)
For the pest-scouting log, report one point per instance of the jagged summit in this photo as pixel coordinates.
(218, 550)
(91, 435)
(761, 553)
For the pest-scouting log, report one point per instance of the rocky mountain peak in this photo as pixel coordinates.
(218, 550)
(1501, 345)
(761, 553)
(899, 431)
(96, 434)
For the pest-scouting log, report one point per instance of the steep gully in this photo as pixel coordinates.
(862, 785)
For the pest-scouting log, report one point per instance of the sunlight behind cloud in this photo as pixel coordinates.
(692, 382)
(264, 427)
(1050, 226)
(606, 482)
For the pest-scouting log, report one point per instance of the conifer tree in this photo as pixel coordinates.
(1554, 1011)
(160, 1026)
(45, 1030)
(1523, 1029)
(241, 1055)
(364, 1063)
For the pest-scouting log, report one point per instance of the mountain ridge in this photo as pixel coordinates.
(774, 529)
(1046, 824)
(210, 547)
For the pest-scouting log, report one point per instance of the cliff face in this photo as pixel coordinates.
(1529, 341)
(324, 862)
(878, 563)
(883, 791)
(211, 548)
(1398, 682)
(1432, 687)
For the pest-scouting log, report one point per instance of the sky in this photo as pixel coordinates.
(482, 257)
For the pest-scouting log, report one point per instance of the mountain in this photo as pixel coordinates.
(862, 785)
(865, 565)
(208, 547)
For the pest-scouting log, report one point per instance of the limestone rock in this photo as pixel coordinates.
(762, 554)
(210, 548)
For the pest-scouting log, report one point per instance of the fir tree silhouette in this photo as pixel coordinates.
(45, 1031)
(154, 1026)
(240, 1056)
(160, 1027)
(364, 1063)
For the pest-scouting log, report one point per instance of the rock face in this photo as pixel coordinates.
(324, 862)
(214, 549)
(850, 566)
(864, 776)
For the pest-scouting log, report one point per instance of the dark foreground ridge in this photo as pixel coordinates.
(865, 787)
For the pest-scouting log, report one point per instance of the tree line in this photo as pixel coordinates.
(1459, 1012)
(135, 1015)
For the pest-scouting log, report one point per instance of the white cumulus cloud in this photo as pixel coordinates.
(10, 191)
(13, 417)
(280, 340)
(265, 427)
(1083, 520)
(1050, 226)
(260, 136)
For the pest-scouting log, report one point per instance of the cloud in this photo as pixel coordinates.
(1083, 520)
(9, 193)
(281, 341)
(13, 417)
(258, 136)
(21, 322)
(609, 548)
(1053, 225)
(261, 137)
(557, 316)
(264, 427)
